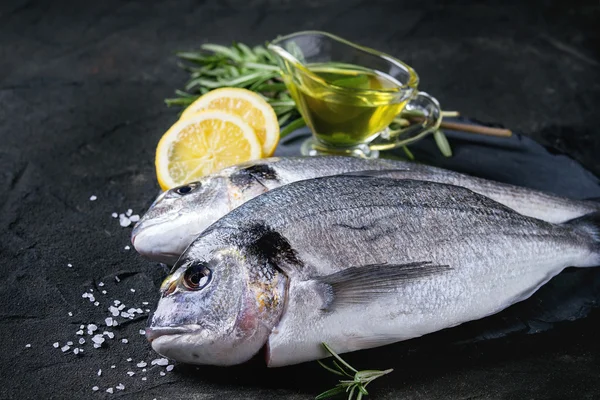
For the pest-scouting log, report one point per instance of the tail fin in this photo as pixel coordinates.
(590, 224)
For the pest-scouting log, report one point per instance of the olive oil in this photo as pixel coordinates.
(346, 104)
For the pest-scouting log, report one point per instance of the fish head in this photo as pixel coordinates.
(214, 311)
(177, 216)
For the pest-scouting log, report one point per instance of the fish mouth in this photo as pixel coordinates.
(153, 333)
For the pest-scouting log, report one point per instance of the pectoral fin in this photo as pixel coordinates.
(363, 284)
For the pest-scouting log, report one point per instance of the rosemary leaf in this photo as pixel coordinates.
(292, 126)
(442, 143)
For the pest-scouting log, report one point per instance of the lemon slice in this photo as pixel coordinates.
(250, 106)
(202, 144)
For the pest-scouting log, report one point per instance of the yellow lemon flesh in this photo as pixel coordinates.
(202, 144)
(250, 106)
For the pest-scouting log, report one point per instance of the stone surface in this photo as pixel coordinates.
(81, 103)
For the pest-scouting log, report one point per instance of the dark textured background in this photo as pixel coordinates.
(81, 111)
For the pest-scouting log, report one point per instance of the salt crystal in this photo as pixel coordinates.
(98, 339)
(76, 351)
(93, 198)
(144, 378)
(120, 386)
(79, 332)
(114, 215)
(56, 344)
(124, 221)
(129, 212)
(130, 373)
(132, 290)
(129, 359)
(108, 321)
(70, 314)
(162, 373)
(28, 345)
(81, 350)
(113, 366)
(81, 326)
(142, 332)
(144, 303)
(97, 346)
(70, 343)
(99, 372)
(141, 364)
(134, 218)
(104, 292)
(95, 388)
(91, 290)
(92, 327)
(114, 311)
(122, 306)
(117, 302)
(70, 265)
(86, 294)
(124, 314)
(100, 284)
(170, 368)
(65, 348)
(144, 370)
(139, 310)
(115, 323)
(109, 390)
(110, 335)
(124, 341)
(127, 247)
(131, 311)
(147, 310)
(96, 303)
(160, 361)
(81, 341)
(117, 279)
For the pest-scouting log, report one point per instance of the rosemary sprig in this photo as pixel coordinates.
(255, 68)
(357, 382)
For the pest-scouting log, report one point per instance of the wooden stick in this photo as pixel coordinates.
(482, 130)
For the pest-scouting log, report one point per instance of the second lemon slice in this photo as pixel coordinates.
(202, 144)
(250, 106)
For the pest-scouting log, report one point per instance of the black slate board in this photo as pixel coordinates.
(520, 161)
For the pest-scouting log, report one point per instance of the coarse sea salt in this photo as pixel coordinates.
(120, 386)
(160, 361)
(144, 303)
(56, 344)
(142, 332)
(69, 343)
(93, 198)
(81, 341)
(132, 290)
(99, 372)
(134, 218)
(127, 247)
(114, 215)
(130, 373)
(28, 345)
(124, 341)
(141, 364)
(117, 279)
(95, 388)
(162, 373)
(170, 368)
(144, 378)
(75, 351)
(108, 321)
(113, 366)
(129, 359)
(124, 221)
(109, 390)
(129, 212)
(104, 292)
(79, 332)
(65, 348)
(98, 339)
(70, 314)
(70, 265)
(100, 284)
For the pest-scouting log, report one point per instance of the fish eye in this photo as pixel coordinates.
(185, 189)
(197, 276)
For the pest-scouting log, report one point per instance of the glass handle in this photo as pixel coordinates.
(423, 105)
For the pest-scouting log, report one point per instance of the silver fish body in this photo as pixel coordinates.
(356, 262)
(179, 215)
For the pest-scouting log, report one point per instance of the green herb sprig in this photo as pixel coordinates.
(357, 382)
(255, 68)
